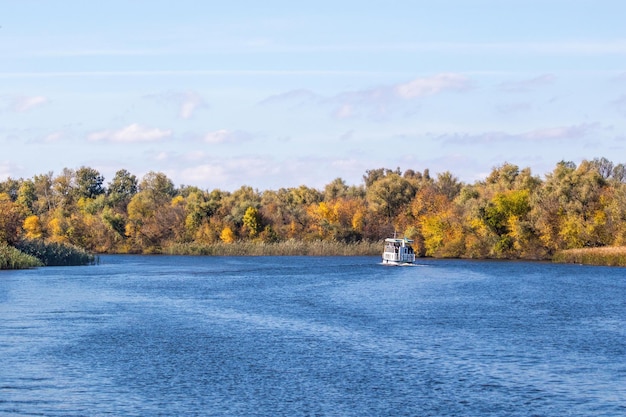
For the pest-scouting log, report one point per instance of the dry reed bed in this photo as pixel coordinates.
(609, 256)
(286, 248)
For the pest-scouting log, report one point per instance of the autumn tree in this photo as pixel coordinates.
(252, 221)
(387, 196)
(570, 208)
(33, 229)
(439, 230)
(234, 206)
(287, 210)
(498, 222)
(11, 219)
(152, 215)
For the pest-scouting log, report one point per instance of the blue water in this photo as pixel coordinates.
(307, 336)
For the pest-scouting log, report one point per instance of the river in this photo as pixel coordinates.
(312, 336)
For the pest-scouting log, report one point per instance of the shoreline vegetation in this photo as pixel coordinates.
(32, 254)
(605, 256)
(290, 247)
(13, 258)
(511, 214)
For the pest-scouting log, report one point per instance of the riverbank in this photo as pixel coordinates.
(606, 256)
(290, 247)
(34, 254)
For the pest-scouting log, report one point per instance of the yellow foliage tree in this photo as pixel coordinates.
(57, 228)
(179, 200)
(358, 221)
(252, 221)
(32, 227)
(227, 235)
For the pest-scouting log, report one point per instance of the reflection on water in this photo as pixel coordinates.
(312, 336)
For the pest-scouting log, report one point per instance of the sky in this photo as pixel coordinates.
(273, 94)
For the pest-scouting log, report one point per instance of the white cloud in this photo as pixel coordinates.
(204, 173)
(426, 86)
(513, 108)
(301, 96)
(53, 137)
(187, 102)
(24, 104)
(230, 173)
(620, 104)
(561, 132)
(162, 156)
(528, 84)
(131, 133)
(226, 136)
(544, 134)
(382, 102)
(345, 111)
(190, 101)
(7, 169)
(376, 102)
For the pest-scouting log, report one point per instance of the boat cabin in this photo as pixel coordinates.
(398, 251)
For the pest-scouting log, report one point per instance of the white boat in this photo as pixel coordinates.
(398, 252)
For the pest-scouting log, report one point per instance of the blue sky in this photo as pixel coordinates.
(277, 94)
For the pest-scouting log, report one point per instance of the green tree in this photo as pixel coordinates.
(10, 187)
(448, 185)
(389, 195)
(88, 183)
(43, 189)
(373, 175)
(27, 196)
(337, 188)
(158, 184)
(122, 188)
(63, 187)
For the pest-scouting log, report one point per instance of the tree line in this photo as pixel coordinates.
(510, 214)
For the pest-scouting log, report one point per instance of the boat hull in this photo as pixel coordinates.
(397, 263)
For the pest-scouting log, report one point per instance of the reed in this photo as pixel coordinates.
(12, 258)
(290, 247)
(608, 256)
(56, 254)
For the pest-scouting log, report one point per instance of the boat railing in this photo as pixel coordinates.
(399, 257)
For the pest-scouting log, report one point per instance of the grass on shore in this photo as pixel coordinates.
(290, 247)
(607, 256)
